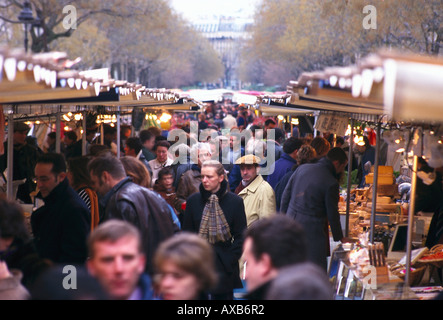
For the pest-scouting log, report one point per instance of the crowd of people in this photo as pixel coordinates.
(181, 214)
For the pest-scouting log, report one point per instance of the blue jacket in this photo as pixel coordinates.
(281, 167)
(145, 285)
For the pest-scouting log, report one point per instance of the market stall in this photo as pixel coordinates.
(42, 89)
(384, 91)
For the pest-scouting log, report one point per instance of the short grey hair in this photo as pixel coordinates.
(199, 146)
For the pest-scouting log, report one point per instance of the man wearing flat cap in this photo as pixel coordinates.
(258, 196)
(24, 159)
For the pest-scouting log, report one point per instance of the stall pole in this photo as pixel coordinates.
(374, 186)
(102, 133)
(57, 132)
(10, 160)
(118, 132)
(84, 134)
(315, 130)
(411, 219)
(348, 191)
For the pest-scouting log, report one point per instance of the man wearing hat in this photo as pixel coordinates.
(258, 196)
(24, 159)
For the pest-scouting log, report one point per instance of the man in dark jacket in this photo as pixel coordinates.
(24, 159)
(124, 200)
(61, 226)
(311, 198)
(271, 244)
(286, 161)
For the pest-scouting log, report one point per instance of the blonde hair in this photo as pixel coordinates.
(219, 169)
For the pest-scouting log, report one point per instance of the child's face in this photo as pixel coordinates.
(167, 181)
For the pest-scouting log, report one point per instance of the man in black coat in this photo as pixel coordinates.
(227, 252)
(122, 199)
(311, 198)
(271, 244)
(24, 160)
(61, 226)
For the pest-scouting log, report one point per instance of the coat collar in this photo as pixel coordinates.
(57, 192)
(329, 165)
(253, 186)
(288, 157)
(157, 165)
(103, 201)
(220, 193)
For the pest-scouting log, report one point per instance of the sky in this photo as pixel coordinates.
(197, 9)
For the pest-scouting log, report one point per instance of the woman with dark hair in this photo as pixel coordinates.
(218, 216)
(16, 247)
(321, 146)
(80, 181)
(162, 160)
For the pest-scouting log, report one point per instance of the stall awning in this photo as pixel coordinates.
(45, 79)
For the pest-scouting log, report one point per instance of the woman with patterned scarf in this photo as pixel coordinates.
(218, 216)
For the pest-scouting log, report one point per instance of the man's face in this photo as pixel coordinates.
(5, 243)
(210, 179)
(234, 141)
(117, 266)
(46, 179)
(270, 126)
(255, 270)
(203, 155)
(19, 137)
(340, 167)
(248, 172)
(50, 141)
(150, 143)
(167, 181)
(360, 148)
(68, 141)
(99, 185)
(129, 151)
(162, 154)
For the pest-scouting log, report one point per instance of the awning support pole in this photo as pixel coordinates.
(10, 160)
(411, 219)
(374, 186)
(348, 194)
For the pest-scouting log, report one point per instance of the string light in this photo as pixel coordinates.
(106, 118)
(165, 117)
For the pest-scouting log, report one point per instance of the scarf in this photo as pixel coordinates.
(213, 226)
